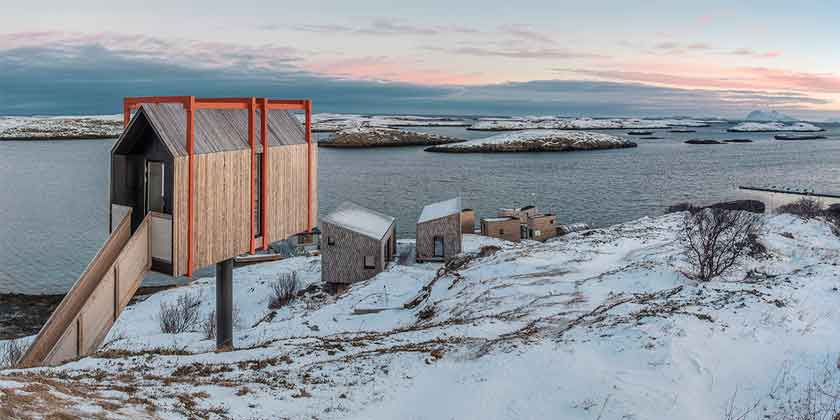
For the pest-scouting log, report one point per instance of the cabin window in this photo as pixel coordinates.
(330, 241)
(438, 246)
(258, 195)
(369, 262)
(501, 231)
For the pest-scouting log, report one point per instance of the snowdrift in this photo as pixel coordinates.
(599, 323)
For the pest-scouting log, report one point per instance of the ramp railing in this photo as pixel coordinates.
(83, 318)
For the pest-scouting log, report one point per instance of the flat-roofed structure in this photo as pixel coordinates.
(542, 227)
(507, 228)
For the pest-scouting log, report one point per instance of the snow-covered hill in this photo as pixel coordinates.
(597, 324)
(769, 116)
(754, 127)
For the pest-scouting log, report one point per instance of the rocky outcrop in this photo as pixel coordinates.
(367, 137)
(537, 141)
(709, 141)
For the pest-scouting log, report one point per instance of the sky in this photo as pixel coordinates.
(596, 58)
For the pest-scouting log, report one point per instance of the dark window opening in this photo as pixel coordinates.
(501, 231)
(369, 262)
(155, 186)
(438, 246)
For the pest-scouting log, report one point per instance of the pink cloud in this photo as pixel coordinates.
(711, 77)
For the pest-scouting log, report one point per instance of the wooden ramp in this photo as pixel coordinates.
(82, 320)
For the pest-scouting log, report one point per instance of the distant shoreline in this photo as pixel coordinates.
(53, 138)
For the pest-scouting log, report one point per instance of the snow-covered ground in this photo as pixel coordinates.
(338, 122)
(94, 126)
(597, 324)
(774, 126)
(560, 123)
(539, 139)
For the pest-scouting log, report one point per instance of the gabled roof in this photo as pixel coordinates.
(216, 130)
(440, 209)
(360, 220)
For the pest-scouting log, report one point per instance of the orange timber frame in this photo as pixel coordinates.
(252, 104)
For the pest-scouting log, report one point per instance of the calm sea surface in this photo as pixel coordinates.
(53, 195)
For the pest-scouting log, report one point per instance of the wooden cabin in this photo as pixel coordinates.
(542, 227)
(439, 235)
(468, 221)
(521, 213)
(221, 177)
(356, 244)
(507, 228)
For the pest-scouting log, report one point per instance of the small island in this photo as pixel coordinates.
(61, 128)
(537, 141)
(368, 137)
(799, 137)
(710, 141)
(756, 127)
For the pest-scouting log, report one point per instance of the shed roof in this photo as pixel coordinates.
(497, 219)
(440, 209)
(216, 130)
(360, 220)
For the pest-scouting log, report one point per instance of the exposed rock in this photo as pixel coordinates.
(799, 137)
(700, 141)
(710, 141)
(753, 206)
(537, 141)
(738, 141)
(365, 137)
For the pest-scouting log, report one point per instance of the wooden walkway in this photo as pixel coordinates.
(82, 320)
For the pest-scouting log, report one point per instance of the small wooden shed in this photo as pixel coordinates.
(468, 221)
(542, 227)
(439, 235)
(221, 177)
(507, 228)
(356, 244)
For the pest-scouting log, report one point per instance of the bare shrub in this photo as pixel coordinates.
(181, 315)
(488, 250)
(715, 240)
(806, 208)
(209, 324)
(283, 290)
(10, 353)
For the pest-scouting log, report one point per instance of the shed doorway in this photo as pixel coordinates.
(438, 247)
(155, 186)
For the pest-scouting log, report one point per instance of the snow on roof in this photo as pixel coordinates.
(361, 220)
(440, 209)
(497, 219)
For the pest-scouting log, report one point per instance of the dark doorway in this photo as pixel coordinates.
(438, 247)
(155, 186)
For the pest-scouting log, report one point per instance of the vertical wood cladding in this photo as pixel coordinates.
(343, 253)
(508, 229)
(222, 202)
(468, 221)
(542, 227)
(448, 228)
